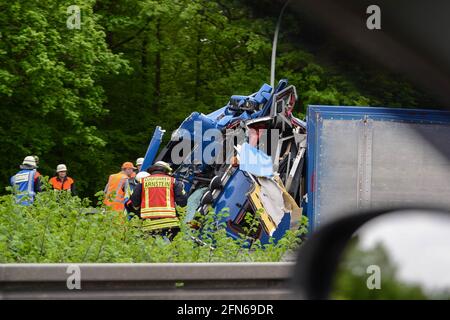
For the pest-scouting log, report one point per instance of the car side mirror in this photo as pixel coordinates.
(385, 254)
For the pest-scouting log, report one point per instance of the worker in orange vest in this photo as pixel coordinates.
(61, 181)
(118, 191)
(155, 199)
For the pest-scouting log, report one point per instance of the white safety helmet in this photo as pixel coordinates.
(141, 175)
(29, 161)
(164, 165)
(139, 161)
(61, 167)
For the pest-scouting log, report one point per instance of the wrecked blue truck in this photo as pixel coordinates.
(253, 155)
(226, 160)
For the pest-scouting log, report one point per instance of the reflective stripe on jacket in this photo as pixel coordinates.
(23, 183)
(159, 224)
(115, 191)
(158, 197)
(129, 188)
(58, 184)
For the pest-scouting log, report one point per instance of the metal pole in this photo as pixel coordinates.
(274, 47)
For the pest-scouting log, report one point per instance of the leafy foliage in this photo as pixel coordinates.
(61, 228)
(50, 91)
(351, 278)
(91, 98)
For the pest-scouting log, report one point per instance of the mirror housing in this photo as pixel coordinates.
(318, 259)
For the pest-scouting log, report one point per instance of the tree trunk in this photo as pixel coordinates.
(157, 96)
(145, 86)
(144, 59)
(198, 65)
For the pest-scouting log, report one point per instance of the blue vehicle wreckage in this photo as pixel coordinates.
(262, 160)
(263, 172)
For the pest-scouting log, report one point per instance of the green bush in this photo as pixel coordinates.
(61, 228)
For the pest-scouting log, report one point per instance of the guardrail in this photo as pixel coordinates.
(146, 281)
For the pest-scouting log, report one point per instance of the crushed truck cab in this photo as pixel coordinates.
(261, 161)
(246, 157)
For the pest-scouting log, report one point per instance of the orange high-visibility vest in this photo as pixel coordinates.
(158, 197)
(65, 184)
(114, 191)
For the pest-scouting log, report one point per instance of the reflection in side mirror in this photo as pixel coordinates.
(402, 255)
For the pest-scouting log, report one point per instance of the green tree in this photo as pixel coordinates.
(92, 97)
(49, 86)
(351, 278)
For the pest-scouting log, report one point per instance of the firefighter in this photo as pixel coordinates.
(117, 190)
(137, 179)
(61, 181)
(133, 181)
(155, 200)
(139, 163)
(140, 176)
(26, 182)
